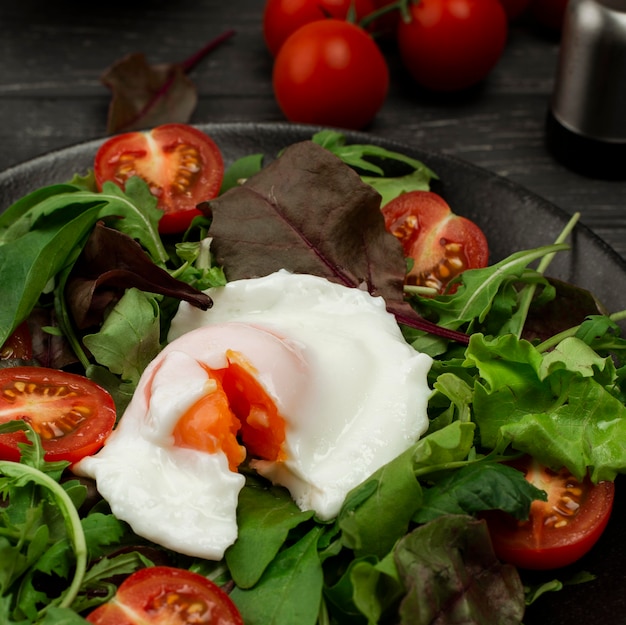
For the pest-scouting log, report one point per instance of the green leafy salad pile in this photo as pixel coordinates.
(90, 269)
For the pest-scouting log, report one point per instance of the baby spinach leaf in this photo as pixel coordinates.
(29, 261)
(393, 495)
(477, 487)
(376, 587)
(264, 518)
(290, 589)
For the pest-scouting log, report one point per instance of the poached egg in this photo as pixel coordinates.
(310, 382)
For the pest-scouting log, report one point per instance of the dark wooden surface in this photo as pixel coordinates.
(53, 53)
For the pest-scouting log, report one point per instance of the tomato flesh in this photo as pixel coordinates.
(181, 165)
(163, 595)
(441, 244)
(19, 345)
(559, 531)
(72, 415)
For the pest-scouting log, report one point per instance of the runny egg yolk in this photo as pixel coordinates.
(235, 404)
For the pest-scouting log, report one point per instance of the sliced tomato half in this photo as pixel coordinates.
(440, 243)
(163, 594)
(182, 166)
(72, 415)
(559, 531)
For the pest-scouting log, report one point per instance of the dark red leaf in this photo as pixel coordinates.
(144, 95)
(308, 212)
(110, 263)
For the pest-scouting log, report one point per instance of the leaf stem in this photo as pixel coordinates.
(529, 291)
(189, 63)
(70, 514)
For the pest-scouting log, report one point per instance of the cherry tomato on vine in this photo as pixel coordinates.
(448, 45)
(72, 414)
(281, 18)
(441, 244)
(559, 531)
(19, 345)
(163, 594)
(332, 73)
(181, 164)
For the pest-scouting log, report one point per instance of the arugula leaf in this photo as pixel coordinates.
(130, 336)
(378, 161)
(474, 298)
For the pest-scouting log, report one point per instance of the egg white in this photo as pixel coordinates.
(352, 392)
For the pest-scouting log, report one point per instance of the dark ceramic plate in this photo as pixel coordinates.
(513, 219)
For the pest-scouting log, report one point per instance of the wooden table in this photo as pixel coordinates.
(53, 54)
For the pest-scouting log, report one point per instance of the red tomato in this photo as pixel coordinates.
(19, 345)
(281, 18)
(440, 243)
(559, 531)
(72, 414)
(449, 45)
(332, 73)
(514, 8)
(163, 594)
(182, 165)
(548, 13)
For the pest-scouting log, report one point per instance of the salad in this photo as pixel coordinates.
(414, 543)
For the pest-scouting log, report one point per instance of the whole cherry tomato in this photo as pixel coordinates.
(448, 45)
(559, 531)
(281, 18)
(332, 73)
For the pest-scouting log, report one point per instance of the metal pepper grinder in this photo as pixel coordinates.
(586, 124)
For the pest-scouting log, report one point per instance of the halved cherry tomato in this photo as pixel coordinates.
(19, 345)
(72, 414)
(559, 531)
(441, 244)
(182, 166)
(163, 594)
